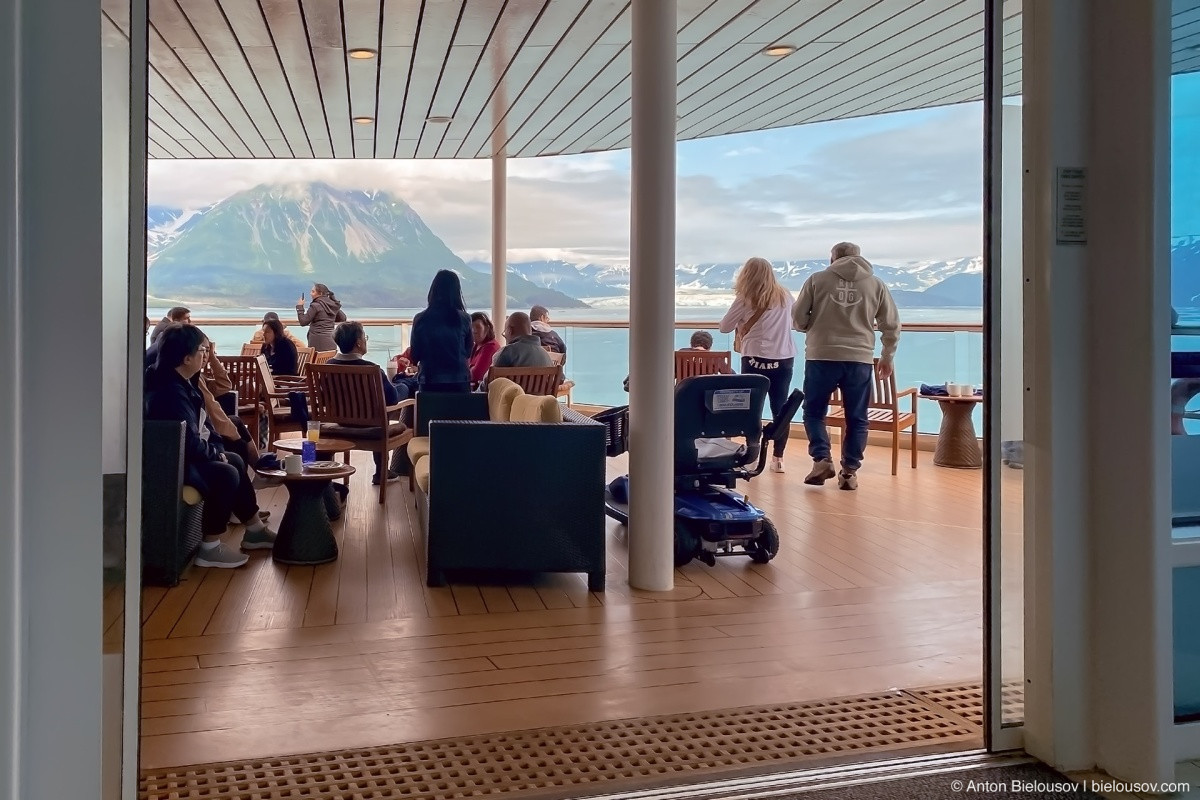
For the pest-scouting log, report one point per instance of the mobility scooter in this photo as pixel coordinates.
(711, 518)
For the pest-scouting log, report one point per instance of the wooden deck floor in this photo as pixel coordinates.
(872, 589)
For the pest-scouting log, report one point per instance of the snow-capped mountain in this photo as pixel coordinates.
(164, 225)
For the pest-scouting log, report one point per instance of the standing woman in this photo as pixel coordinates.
(441, 337)
(483, 333)
(278, 348)
(323, 314)
(761, 315)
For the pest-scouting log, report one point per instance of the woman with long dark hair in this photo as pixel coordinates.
(483, 333)
(441, 337)
(323, 314)
(278, 348)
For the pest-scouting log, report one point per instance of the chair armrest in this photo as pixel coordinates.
(909, 393)
(409, 403)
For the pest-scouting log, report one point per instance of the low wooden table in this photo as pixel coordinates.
(957, 444)
(305, 536)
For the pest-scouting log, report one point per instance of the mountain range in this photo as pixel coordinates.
(267, 245)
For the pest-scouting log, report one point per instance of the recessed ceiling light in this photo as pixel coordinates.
(439, 119)
(363, 120)
(779, 50)
(362, 53)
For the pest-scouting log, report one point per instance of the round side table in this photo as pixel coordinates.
(957, 444)
(327, 450)
(305, 536)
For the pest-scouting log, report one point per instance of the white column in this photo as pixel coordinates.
(50, 407)
(652, 297)
(1098, 644)
(499, 239)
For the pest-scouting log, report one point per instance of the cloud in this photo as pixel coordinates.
(911, 192)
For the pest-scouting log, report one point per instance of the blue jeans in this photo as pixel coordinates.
(779, 372)
(821, 378)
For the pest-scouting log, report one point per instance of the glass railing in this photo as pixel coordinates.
(598, 354)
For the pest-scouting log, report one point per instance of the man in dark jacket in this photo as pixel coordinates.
(351, 342)
(219, 476)
(540, 317)
(176, 314)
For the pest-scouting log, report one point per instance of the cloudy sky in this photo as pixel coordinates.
(906, 186)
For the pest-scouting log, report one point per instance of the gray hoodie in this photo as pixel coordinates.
(838, 310)
(324, 313)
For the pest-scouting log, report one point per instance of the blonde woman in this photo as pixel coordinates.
(761, 315)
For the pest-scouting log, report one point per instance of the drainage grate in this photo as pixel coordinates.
(967, 700)
(560, 762)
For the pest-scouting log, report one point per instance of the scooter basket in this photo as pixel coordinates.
(616, 430)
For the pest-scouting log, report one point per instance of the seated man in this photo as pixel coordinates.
(524, 348)
(539, 316)
(219, 476)
(701, 340)
(351, 342)
(176, 314)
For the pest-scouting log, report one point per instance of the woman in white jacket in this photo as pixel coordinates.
(762, 316)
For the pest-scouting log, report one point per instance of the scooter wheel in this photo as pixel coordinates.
(686, 545)
(766, 546)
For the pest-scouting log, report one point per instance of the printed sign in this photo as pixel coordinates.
(731, 400)
(1070, 220)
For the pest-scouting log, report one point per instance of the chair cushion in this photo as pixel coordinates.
(421, 474)
(395, 428)
(418, 447)
(536, 408)
(191, 495)
(501, 393)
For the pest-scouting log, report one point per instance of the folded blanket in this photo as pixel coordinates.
(934, 391)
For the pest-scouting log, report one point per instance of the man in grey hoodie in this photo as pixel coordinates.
(837, 311)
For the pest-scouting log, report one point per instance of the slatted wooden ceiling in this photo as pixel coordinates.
(273, 78)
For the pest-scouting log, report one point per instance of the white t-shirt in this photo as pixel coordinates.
(771, 336)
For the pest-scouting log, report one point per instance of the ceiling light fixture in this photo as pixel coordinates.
(779, 50)
(437, 119)
(363, 120)
(362, 53)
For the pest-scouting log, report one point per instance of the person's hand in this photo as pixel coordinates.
(223, 459)
(886, 369)
(300, 302)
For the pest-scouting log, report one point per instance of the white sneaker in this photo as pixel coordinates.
(776, 464)
(220, 557)
(847, 481)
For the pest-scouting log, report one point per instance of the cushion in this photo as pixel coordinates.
(418, 447)
(421, 474)
(501, 393)
(535, 408)
(191, 495)
(395, 428)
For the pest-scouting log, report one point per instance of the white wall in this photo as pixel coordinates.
(50, 494)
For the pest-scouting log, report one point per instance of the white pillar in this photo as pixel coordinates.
(499, 239)
(652, 297)
(50, 409)
(1098, 643)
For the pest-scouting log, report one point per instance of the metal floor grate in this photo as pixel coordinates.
(568, 761)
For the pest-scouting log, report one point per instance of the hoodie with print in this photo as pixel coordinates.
(838, 310)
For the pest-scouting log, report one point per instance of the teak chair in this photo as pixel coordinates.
(690, 363)
(279, 416)
(251, 349)
(349, 400)
(244, 375)
(883, 413)
(533, 380)
(323, 356)
(304, 357)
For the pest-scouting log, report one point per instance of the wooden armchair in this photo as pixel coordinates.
(249, 349)
(690, 363)
(348, 402)
(533, 380)
(244, 375)
(323, 356)
(279, 416)
(883, 413)
(304, 357)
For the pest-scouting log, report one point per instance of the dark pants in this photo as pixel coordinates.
(779, 373)
(226, 489)
(446, 387)
(821, 378)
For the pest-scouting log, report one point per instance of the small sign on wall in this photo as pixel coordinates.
(1070, 219)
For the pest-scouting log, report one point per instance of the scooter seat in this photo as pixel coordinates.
(719, 454)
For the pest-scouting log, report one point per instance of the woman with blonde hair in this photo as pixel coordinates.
(761, 315)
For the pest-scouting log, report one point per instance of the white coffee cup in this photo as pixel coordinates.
(954, 389)
(968, 389)
(293, 464)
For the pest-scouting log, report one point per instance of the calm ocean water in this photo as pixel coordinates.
(598, 358)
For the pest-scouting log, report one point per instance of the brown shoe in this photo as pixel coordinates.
(822, 471)
(847, 481)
